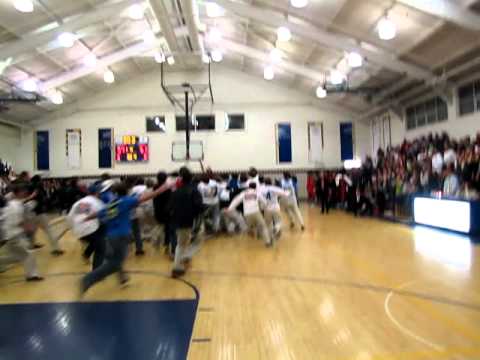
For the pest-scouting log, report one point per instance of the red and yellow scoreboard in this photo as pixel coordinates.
(131, 148)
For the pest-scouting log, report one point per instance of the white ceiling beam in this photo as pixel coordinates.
(108, 60)
(33, 40)
(325, 38)
(161, 14)
(447, 9)
(190, 9)
(263, 57)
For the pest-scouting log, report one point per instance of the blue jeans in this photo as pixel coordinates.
(137, 234)
(116, 253)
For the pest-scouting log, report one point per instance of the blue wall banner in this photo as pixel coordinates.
(346, 141)
(105, 148)
(43, 153)
(284, 143)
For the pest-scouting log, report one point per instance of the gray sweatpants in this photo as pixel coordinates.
(15, 251)
(256, 223)
(293, 213)
(273, 218)
(41, 221)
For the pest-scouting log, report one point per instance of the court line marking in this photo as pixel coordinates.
(324, 281)
(339, 283)
(404, 329)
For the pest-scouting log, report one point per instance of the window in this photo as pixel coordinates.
(428, 112)
(411, 122)
(234, 122)
(201, 123)
(155, 124)
(420, 114)
(205, 122)
(466, 99)
(180, 123)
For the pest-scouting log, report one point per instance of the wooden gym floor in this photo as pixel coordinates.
(347, 288)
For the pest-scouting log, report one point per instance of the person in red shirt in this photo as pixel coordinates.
(311, 187)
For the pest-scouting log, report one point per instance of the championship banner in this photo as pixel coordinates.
(73, 148)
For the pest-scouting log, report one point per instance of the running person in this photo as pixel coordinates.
(290, 203)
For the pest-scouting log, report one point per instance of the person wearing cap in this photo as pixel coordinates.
(90, 232)
(106, 194)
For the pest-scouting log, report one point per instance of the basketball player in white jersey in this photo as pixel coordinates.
(273, 217)
(290, 203)
(209, 190)
(252, 202)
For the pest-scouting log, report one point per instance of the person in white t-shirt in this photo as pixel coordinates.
(91, 232)
(252, 202)
(14, 231)
(273, 217)
(290, 203)
(209, 189)
(437, 162)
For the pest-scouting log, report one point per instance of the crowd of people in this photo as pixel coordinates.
(178, 212)
(429, 165)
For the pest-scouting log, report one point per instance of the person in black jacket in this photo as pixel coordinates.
(38, 195)
(161, 208)
(323, 190)
(186, 205)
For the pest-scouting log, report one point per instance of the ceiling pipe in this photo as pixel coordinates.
(190, 9)
(161, 14)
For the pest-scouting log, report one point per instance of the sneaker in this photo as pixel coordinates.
(125, 282)
(303, 228)
(57, 252)
(35, 246)
(292, 226)
(269, 244)
(177, 273)
(34, 278)
(187, 262)
(139, 253)
(86, 259)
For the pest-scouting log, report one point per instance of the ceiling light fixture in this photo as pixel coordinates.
(136, 12)
(276, 55)
(148, 36)
(336, 77)
(217, 55)
(24, 6)
(284, 34)
(214, 35)
(268, 73)
(66, 39)
(387, 30)
(213, 9)
(29, 85)
(159, 57)
(205, 58)
(109, 76)
(56, 97)
(170, 60)
(90, 60)
(354, 59)
(321, 92)
(299, 3)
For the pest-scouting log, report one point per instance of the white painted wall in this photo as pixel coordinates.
(125, 106)
(456, 126)
(9, 143)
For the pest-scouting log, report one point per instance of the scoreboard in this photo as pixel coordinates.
(131, 148)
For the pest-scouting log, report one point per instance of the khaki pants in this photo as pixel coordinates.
(185, 247)
(41, 222)
(15, 251)
(234, 221)
(293, 213)
(257, 223)
(273, 218)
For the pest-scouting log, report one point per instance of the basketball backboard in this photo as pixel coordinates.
(179, 151)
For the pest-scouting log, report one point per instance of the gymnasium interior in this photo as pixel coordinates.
(370, 109)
